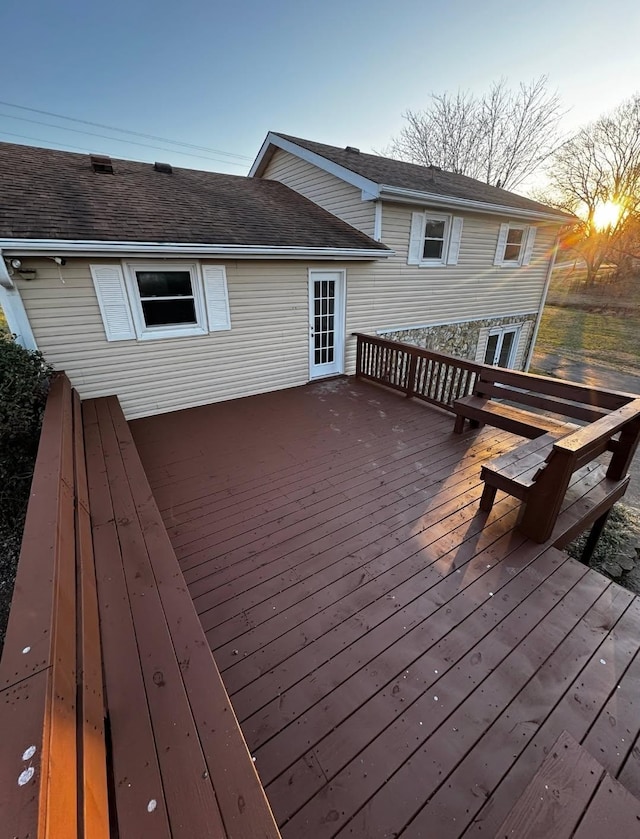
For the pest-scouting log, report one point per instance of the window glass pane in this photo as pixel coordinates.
(507, 345)
(492, 346)
(514, 236)
(164, 283)
(434, 229)
(165, 312)
(432, 249)
(512, 253)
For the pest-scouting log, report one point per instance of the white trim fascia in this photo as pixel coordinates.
(369, 188)
(46, 247)
(543, 300)
(452, 321)
(17, 318)
(5, 277)
(411, 196)
(377, 221)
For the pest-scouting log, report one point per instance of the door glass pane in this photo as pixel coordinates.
(508, 339)
(492, 346)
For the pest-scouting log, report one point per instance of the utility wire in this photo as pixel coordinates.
(89, 151)
(126, 131)
(114, 140)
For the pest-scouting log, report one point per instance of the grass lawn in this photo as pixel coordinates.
(599, 324)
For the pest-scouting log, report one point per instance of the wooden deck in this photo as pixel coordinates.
(399, 662)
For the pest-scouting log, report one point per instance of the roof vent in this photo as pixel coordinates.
(352, 149)
(165, 168)
(101, 163)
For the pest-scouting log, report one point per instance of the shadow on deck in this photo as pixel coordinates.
(399, 662)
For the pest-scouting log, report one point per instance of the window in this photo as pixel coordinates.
(435, 231)
(434, 239)
(501, 346)
(515, 245)
(161, 300)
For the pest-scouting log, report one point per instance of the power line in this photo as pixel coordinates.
(89, 151)
(115, 140)
(125, 131)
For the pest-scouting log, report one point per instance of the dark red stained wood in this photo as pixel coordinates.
(22, 719)
(557, 796)
(94, 807)
(136, 775)
(188, 794)
(242, 802)
(612, 812)
(305, 625)
(575, 712)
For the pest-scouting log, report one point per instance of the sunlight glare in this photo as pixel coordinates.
(606, 215)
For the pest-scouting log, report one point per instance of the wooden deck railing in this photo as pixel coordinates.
(433, 377)
(441, 379)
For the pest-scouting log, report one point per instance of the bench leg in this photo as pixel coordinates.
(592, 538)
(458, 428)
(488, 497)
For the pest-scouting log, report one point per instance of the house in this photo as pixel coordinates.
(175, 288)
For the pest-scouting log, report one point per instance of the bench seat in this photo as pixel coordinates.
(508, 417)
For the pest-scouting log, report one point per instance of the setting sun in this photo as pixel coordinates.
(606, 215)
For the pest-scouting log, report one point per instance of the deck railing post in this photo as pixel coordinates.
(411, 375)
(358, 356)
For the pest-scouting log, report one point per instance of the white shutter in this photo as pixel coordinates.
(523, 344)
(416, 239)
(481, 347)
(502, 242)
(454, 240)
(216, 297)
(528, 248)
(111, 292)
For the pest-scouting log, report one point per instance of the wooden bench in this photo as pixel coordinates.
(115, 721)
(540, 471)
(496, 389)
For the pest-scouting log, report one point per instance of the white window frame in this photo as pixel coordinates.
(515, 263)
(446, 218)
(501, 331)
(146, 333)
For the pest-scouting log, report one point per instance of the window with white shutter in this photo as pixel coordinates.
(147, 300)
(434, 239)
(515, 245)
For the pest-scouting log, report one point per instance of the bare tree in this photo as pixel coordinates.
(501, 137)
(597, 169)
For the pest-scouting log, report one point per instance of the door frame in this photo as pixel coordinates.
(339, 324)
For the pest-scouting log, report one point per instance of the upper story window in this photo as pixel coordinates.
(434, 239)
(161, 300)
(515, 244)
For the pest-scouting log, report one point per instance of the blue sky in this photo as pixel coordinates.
(221, 75)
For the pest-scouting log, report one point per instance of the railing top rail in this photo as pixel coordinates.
(601, 430)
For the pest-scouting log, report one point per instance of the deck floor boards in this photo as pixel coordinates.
(399, 661)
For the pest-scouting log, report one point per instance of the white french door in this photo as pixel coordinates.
(326, 323)
(501, 346)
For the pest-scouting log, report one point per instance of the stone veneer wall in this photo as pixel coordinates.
(460, 339)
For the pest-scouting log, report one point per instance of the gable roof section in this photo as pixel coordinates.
(387, 178)
(55, 196)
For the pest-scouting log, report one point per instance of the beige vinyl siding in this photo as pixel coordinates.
(336, 196)
(266, 348)
(401, 295)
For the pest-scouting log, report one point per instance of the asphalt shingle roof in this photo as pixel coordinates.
(48, 194)
(396, 173)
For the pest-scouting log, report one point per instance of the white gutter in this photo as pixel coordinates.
(46, 247)
(413, 196)
(543, 300)
(14, 310)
